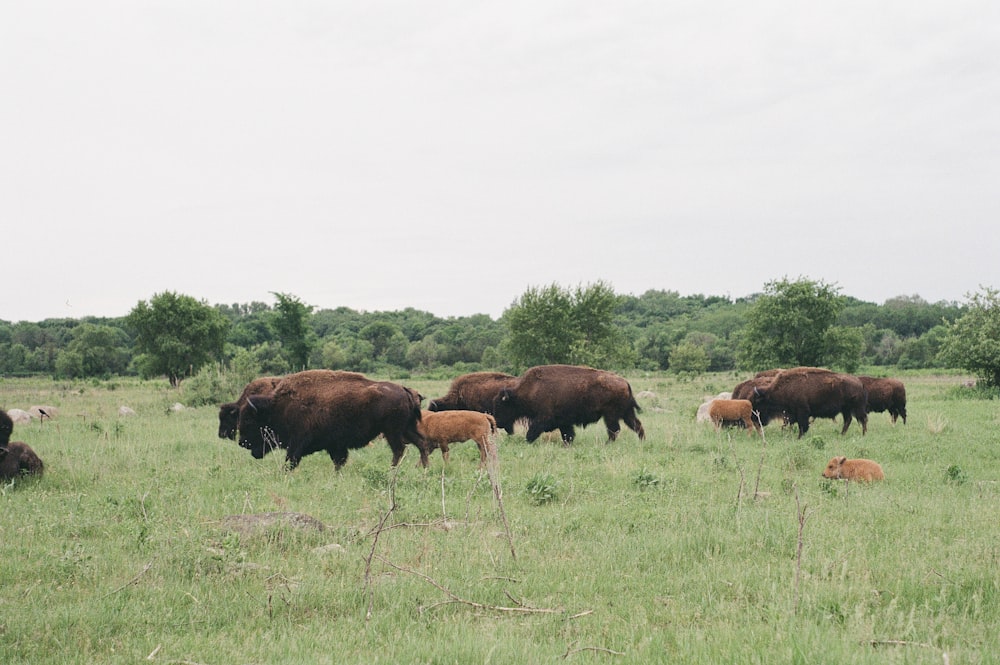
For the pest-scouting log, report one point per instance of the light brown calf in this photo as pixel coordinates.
(441, 428)
(853, 469)
(732, 411)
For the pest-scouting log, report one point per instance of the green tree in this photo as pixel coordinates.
(175, 335)
(792, 323)
(972, 342)
(291, 325)
(103, 350)
(688, 358)
(556, 325)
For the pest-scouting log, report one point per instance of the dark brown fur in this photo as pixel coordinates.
(16, 457)
(886, 395)
(745, 390)
(811, 392)
(332, 411)
(473, 392)
(562, 396)
(229, 413)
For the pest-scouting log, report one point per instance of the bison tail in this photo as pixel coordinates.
(493, 423)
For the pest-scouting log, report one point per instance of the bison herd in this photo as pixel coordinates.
(337, 411)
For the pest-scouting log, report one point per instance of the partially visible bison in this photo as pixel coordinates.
(333, 411)
(886, 395)
(229, 413)
(16, 457)
(474, 392)
(733, 411)
(561, 396)
(745, 390)
(811, 392)
(853, 469)
(441, 428)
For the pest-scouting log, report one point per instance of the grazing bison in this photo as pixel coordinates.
(886, 395)
(16, 457)
(474, 392)
(735, 411)
(332, 411)
(441, 428)
(745, 390)
(810, 392)
(853, 469)
(229, 413)
(561, 396)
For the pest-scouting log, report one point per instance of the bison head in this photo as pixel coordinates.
(255, 432)
(6, 428)
(229, 417)
(506, 410)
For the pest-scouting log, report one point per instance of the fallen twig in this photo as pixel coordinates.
(570, 651)
(132, 581)
(458, 599)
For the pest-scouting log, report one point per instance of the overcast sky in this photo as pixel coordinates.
(448, 155)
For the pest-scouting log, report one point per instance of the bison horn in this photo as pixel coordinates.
(250, 402)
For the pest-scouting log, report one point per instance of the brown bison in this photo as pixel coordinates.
(724, 411)
(229, 413)
(332, 411)
(473, 392)
(853, 469)
(810, 392)
(886, 395)
(561, 396)
(441, 428)
(16, 457)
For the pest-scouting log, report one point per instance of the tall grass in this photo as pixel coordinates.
(635, 551)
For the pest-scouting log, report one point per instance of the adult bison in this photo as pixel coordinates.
(229, 413)
(745, 389)
(561, 396)
(332, 411)
(811, 392)
(474, 392)
(886, 395)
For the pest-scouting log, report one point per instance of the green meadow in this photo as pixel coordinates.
(143, 540)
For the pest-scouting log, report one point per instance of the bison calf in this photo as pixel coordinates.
(733, 411)
(440, 428)
(853, 469)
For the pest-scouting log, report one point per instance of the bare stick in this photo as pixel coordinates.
(570, 651)
(493, 470)
(801, 513)
(378, 531)
(458, 599)
(132, 581)
(763, 452)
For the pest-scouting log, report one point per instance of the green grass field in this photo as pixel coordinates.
(631, 552)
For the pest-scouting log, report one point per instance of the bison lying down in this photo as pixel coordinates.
(723, 411)
(332, 411)
(853, 469)
(445, 427)
(16, 457)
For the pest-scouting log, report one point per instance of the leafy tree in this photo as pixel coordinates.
(291, 324)
(556, 325)
(103, 350)
(792, 323)
(688, 358)
(973, 341)
(176, 335)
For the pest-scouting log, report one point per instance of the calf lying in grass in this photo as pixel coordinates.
(441, 428)
(853, 469)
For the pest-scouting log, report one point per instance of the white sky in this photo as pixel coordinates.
(448, 155)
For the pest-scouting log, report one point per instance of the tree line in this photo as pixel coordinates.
(791, 322)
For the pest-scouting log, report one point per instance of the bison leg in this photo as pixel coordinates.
(292, 460)
(847, 421)
(338, 457)
(634, 425)
(802, 420)
(568, 433)
(535, 430)
(614, 427)
(444, 451)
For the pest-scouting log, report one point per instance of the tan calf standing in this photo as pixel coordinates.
(733, 410)
(864, 470)
(441, 428)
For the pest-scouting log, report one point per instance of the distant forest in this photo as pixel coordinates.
(904, 332)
